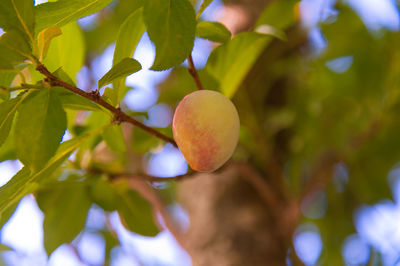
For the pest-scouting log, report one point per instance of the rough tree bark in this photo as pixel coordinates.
(230, 224)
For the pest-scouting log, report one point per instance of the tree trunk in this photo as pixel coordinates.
(230, 224)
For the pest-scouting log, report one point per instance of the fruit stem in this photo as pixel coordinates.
(193, 72)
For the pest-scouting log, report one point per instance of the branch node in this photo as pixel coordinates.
(117, 118)
(95, 94)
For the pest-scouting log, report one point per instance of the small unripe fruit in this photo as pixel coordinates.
(206, 129)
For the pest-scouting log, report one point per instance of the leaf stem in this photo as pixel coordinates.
(193, 72)
(95, 97)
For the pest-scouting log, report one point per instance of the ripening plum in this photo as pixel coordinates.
(206, 129)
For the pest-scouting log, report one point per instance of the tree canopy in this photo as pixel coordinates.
(319, 133)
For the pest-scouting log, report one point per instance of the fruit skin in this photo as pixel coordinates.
(206, 129)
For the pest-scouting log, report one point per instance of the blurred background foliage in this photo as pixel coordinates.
(331, 90)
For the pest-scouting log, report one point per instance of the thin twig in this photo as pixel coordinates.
(153, 179)
(148, 192)
(141, 176)
(119, 115)
(193, 72)
(78, 254)
(267, 194)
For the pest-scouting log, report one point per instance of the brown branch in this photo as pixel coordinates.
(78, 254)
(140, 176)
(119, 115)
(193, 72)
(148, 192)
(153, 179)
(267, 194)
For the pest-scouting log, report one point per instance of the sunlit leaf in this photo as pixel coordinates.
(18, 15)
(4, 247)
(213, 31)
(278, 14)
(136, 213)
(270, 30)
(25, 182)
(103, 194)
(45, 37)
(63, 12)
(124, 68)
(63, 223)
(13, 49)
(129, 35)
(67, 51)
(39, 128)
(6, 78)
(7, 151)
(114, 138)
(171, 25)
(7, 112)
(229, 63)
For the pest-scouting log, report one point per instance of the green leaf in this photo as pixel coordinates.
(18, 15)
(15, 186)
(270, 30)
(278, 14)
(103, 194)
(7, 151)
(124, 68)
(13, 49)
(203, 6)
(45, 37)
(67, 50)
(142, 142)
(65, 208)
(39, 128)
(230, 62)
(129, 35)
(6, 78)
(136, 213)
(114, 138)
(171, 25)
(4, 247)
(7, 112)
(6, 215)
(63, 12)
(213, 31)
(25, 182)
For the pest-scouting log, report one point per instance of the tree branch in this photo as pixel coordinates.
(119, 115)
(146, 177)
(148, 192)
(193, 72)
(266, 192)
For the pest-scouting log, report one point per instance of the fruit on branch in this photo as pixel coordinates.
(206, 129)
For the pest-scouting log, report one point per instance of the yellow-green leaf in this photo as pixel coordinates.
(44, 39)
